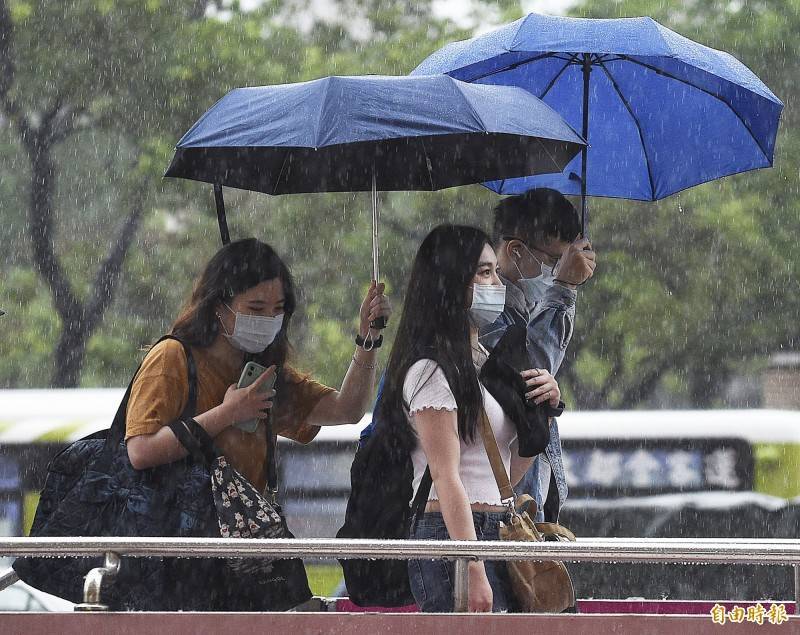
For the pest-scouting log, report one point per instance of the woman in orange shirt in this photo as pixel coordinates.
(241, 309)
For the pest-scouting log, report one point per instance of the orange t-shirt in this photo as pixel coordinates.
(161, 389)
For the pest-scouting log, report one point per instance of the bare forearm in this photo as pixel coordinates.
(457, 516)
(353, 399)
(356, 391)
(455, 508)
(162, 447)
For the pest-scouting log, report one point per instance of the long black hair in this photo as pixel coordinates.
(435, 325)
(235, 268)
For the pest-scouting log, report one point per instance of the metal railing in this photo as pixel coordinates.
(618, 550)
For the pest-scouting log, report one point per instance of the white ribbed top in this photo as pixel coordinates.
(425, 386)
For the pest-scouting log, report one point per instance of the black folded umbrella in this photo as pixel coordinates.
(501, 376)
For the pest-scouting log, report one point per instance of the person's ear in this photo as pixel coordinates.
(513, 250)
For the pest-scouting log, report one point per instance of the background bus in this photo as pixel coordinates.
(608, 454)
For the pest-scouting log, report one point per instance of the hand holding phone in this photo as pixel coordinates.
(250, 373)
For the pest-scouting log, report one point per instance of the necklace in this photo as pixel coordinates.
(480, 349)
(481, 355)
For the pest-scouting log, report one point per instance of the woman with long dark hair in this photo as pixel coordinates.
(432, 392)
(241, 310)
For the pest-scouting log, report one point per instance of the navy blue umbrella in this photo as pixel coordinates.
(661, 113)
(371, 133)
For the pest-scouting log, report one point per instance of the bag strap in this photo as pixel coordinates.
(272, 459)
(117, 430)
(195, 439)
(495, 460)
(552, 503)
(554, 529)
(421, 499)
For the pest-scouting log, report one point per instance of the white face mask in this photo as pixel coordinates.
(535, 288)
(253, 333)
(488, 302)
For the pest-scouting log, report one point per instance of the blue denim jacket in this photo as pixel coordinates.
(549, 321)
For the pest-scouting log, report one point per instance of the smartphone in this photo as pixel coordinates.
(250, 373)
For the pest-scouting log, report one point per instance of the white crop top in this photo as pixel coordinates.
(425, 386)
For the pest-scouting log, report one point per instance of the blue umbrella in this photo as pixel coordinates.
(371, 133)
(661, 113)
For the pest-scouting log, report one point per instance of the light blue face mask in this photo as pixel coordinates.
(252, 333)
(534, 289)
(488, 302)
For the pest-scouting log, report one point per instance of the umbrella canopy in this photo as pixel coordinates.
(338, 133)
(661, 113)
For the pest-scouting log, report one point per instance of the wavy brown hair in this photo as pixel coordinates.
(235, 268)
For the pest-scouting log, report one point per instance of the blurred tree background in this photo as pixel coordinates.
(98, 251)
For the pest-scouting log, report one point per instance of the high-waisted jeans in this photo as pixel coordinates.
(432, 580)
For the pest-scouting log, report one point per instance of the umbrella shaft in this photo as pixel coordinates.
(375, 221)
(221, 219)
(587, 70)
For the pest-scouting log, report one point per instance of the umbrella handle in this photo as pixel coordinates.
(379, 323)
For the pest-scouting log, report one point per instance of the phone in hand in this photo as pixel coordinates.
(250, 373)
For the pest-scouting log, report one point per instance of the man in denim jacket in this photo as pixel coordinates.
(543, 260)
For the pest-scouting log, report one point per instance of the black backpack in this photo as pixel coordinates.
(379, 508)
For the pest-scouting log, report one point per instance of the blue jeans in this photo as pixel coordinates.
(432, 580)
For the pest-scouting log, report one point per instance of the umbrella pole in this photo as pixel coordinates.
(223, 222)
(587, 69)
(380, 323)
(375, 220)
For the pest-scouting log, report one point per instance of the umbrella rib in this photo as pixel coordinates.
(638, 128)
(317, 142)
(660, 71)
(549, 155)
(511, 67)
(280, 174)
(427, 163)
(557, 75)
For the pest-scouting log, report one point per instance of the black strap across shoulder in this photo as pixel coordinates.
(421, 499)
(195, 439)
(116, 432)
(272, 459)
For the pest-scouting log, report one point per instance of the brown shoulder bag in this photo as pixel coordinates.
(539, 586)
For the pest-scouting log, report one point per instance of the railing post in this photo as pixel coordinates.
(94, 583)
(796, 568)
(461, 586)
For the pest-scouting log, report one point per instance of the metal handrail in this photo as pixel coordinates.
(661, 550)
(664, 550)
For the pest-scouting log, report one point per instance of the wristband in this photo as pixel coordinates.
(376, 342)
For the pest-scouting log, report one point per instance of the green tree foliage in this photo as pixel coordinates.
(88, 124)
(689, 292)
(74, 74)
